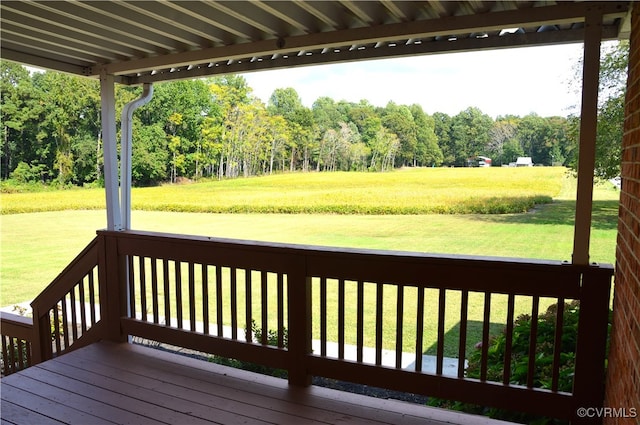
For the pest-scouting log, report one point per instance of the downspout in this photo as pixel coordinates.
(126, 152)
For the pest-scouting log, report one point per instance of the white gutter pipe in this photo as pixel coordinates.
(126, 152)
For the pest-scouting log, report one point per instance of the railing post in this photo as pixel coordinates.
(111, 307)
(36, 345)
(41, 344)
(592, 342)
(588, 130)
(299, 306)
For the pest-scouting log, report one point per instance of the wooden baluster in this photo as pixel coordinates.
(323, 316)
(56, 327)
(506, 370)
(154, 290)
(167, 291)
(192, 297)
(205, 299)
(281, 342)
(29, 348)
(264, 292)
(557, 345)
(399, 324)
(132, 287)
(442, 304)
(486, 323)
(74, 321)
(360, 322)
(83, 313)
(379, 309)
(61, 325)
(143, 288)
(7, 364)
(178, 272)
(219, 307)
(20, 350)
(12, 359)
(419, 328)
(92, 297)
(462, 349)
(341, 323)
(533, 337)
(248, 307)
(234, 302)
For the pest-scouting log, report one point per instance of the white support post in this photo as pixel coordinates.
(111, 175)
(588, 130)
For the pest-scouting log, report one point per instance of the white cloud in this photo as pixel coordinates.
(499, 82)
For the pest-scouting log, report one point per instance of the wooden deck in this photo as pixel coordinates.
(130, 384)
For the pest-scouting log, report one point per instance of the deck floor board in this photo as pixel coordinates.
(124, 383)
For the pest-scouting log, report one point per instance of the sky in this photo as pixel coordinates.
(515, 81)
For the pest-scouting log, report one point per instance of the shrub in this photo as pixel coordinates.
(272, 339)
(519, 361)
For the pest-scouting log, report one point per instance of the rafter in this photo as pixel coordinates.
(564, 13)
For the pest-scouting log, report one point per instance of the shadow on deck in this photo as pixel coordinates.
(124, 383)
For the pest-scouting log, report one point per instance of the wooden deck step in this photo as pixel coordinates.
(130, 384)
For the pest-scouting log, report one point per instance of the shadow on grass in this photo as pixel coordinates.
(474, 336)
(561, 212)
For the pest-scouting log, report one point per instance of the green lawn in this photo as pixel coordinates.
(36, 246)
(29, 240)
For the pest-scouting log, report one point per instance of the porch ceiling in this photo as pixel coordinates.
(148, 41)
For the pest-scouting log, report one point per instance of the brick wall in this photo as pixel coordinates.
(623, 380)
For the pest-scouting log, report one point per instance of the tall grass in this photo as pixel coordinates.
(411, 191)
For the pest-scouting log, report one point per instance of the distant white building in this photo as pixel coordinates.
(524, 161)
(479, 161)
(484, 161)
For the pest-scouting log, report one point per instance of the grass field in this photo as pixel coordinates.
(411, 191)
(36, 246)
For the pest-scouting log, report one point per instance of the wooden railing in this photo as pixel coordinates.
(17, 334)
(371, 315)
(67, 314)
(207, 294)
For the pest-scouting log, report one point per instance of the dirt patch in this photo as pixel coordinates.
(368, 390)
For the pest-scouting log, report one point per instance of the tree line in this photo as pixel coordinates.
(216, 128)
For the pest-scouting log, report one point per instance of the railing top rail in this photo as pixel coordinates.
(73, 272)
(487, 261)
(15, 319)
(16, 326)
(479, 273)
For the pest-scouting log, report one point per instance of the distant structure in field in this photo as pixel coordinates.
(479, 161)
(523, 161)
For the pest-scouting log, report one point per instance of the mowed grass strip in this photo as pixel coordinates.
(408, 191)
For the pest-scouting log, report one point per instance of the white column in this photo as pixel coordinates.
(588, 129)
(111, 176)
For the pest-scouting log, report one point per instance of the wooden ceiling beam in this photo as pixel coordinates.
(561, 13)
(397, 51)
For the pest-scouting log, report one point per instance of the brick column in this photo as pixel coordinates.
(623, 380)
